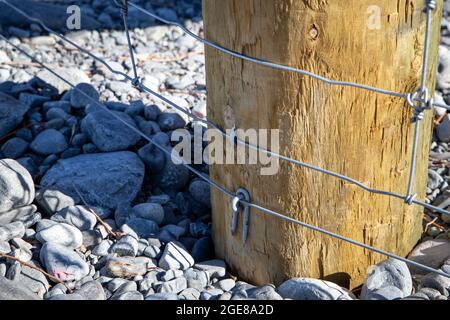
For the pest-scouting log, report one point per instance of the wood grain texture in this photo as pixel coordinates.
(361, 134)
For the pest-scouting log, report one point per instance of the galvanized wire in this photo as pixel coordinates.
(408, 198)
(228, 193)
(218, 187)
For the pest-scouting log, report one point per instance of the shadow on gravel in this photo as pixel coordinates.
(95, 15)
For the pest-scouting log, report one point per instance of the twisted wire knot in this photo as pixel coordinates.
(136, 83)
(410, 198)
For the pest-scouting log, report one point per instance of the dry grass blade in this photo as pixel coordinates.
(108, 229)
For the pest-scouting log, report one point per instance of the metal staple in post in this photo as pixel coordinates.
(240, 200)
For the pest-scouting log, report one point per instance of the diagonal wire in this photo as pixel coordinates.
(226, 135)
(124, 10)
(220, 188)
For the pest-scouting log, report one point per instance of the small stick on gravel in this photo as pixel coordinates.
(48, 275)
(108, 229)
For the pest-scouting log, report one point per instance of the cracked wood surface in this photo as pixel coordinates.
(364, 135)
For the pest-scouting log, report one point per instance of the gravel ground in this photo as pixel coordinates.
(146, 232)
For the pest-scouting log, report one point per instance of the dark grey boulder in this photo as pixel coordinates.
(48, 142)
(11, 112)
(104, 179)
(107, 132)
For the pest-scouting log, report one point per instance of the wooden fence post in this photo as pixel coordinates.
(362, 134)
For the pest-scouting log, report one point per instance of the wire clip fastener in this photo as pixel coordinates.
(419, 101)
(241, 195)
(431, 5)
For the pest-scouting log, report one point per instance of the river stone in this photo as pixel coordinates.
(49, 141)
(150, 211)
(91, 290)
(215, 268)
(14, 148)
(33, 279)
(432, 253)
(126, 267)
(63, 262)
(387, 280)
(61, 233)
(141, 227)
(18, 214)
(104, 179)
(312, 289)
(107, 132)
(11, 113)
(79, 95)
(175, 257)
(12, 230)
(77, 216)
(51, 200)
(15, 290)
(16, 185)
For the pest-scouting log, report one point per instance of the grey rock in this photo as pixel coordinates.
(16, 186)
(103, 179)
(200, 191)
(15, 290)
(63, 262)
(387, 280)
(51, 200)
(14, 148)
(18, 214)
(82, 95)
(151, 112)
(175, 257)
(437, 282)
(126, 267)
(172, 176)
(152, 251)
(62, 234)
(92, 238)
(312, 289)
(32, 100)
(48, 142)
(130, 295)
(153, 158)
(162, 296)
(189, 294)
(434, 179)
(173, 286)
(431, 253)
(107, 132)
(443, 129)
(141, 227)
(103, 248)
(92, 290)
(215, 268)
(149, 211)
(266, 292)
(126, 246)
(11, 231)
(34, 280)
(168, 121)
(74, 75)
(225, 284)
(203, 249)
(11, 113)
(77, 216)
(5, 247)
(196, 279)
(171, 274)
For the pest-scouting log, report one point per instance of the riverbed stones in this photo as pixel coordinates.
(62, 234)
(103, 179)
(312, 289)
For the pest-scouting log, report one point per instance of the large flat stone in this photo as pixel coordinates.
(104, 179)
